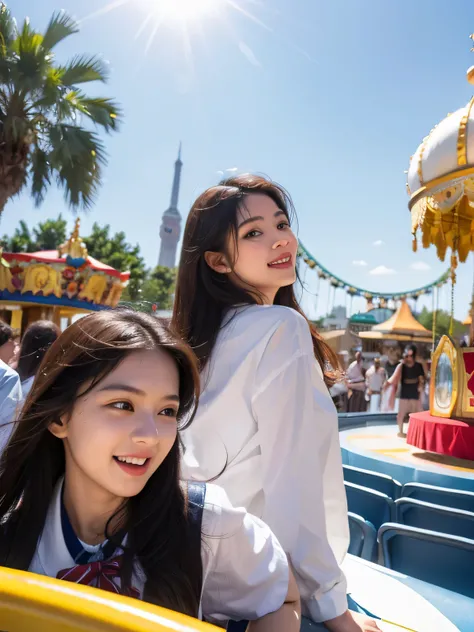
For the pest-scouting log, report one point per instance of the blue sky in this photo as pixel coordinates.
(328, 97)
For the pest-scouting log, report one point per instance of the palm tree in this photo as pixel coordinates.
(42, 111)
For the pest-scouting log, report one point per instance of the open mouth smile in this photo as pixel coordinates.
(285, 261)
(135, 466)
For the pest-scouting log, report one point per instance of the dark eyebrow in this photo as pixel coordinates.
(259, 217)
(136, 391)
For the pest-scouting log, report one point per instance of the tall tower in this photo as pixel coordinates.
(170, 230)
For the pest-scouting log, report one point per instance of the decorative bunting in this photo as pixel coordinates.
(336, 282)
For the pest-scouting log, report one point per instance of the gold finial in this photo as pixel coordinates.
(470, 72)
(74, 247)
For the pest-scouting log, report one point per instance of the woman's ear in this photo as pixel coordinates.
(217, 262)
(59, 428)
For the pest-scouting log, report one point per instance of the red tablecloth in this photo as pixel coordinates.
(444, 436)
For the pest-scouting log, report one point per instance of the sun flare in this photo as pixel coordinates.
(184, 10)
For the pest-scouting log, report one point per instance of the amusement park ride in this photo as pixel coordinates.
(441, 188)
(56, 284)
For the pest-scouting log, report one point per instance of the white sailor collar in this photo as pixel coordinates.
(52, 551)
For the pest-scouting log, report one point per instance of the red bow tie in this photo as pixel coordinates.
(102, 575)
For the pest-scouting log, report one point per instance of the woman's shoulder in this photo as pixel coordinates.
(269, 318)
(220, 518)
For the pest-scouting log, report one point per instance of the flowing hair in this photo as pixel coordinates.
(155, 520)
(202, 294)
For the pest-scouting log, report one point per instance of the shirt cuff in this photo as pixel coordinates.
(328, 606)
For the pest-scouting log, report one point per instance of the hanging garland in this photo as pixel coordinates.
(336, 282)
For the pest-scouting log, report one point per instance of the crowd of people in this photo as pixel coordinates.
(244, 519)
(394, 387)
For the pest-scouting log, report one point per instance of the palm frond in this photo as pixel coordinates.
(8, 30)
(102, 111)
(30, 61)
(82, 69)
(60, 26)
(40, 175)
(50, 91)
(77, 156)
(27, 39)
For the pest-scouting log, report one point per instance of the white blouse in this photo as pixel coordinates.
(266, 430)
(245, 571)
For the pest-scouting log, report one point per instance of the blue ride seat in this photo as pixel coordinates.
(454, 498)
(374, 506)
(436, 558)
(416, 513)
(363, 537)
(373, 480)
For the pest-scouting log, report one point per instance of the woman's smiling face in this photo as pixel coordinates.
(120, 431)
(264, 253)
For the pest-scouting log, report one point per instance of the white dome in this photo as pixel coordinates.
(448, 148)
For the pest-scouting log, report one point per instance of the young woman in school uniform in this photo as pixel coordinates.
(266, 427)
(90, 491)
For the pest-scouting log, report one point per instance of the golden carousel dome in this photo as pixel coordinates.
(441, 184)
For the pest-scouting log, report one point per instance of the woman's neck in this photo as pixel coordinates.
(89, 508)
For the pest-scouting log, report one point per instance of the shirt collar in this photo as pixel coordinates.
(52, 550)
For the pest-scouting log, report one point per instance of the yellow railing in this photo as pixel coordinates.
(33, 603)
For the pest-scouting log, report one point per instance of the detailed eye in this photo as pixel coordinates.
(169, 412)
(122, 406)
(283, 225)
(252, 233)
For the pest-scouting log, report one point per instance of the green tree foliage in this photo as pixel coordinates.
(20, 241)
(48, 235)
(115, 251)
(45, 115)
(159, 287)
(443, 319)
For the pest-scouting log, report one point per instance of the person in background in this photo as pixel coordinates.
(37, 339)
(266, 429)
(355, 377)
(10, 384)
(7, 343)
(390, 367)
(375, 379)
(411, 377)
(16, 351)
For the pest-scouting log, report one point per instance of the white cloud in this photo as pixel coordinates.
(360, 262)
(220, 173)
(420, 266)
(232, 169)
(378, 243)
(382, 271)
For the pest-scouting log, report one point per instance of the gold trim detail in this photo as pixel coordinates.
(447, 346)
(461, 147)
(420, 160)
(425, 190)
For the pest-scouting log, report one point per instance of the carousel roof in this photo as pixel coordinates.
(440, 183)
(401, 326)
(67, 277)
(52, 256)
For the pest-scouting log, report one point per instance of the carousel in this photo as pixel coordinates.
(441, 188)
(56, 285)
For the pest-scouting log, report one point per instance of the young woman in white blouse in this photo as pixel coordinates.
(266, 428)
(90, 490)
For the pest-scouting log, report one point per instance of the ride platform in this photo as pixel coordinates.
(374, 445)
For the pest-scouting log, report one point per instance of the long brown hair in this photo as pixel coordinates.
(203, 295)
(33, 461)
